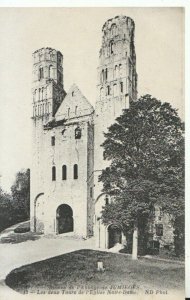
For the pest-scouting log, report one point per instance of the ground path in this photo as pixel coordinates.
(16, 255)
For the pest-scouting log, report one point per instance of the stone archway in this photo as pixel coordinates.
(64, 219)
(114, 235)
(38, 223)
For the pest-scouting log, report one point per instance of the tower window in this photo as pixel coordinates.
(68, 111)
(116, 71)
(113, 29)
(106, 74)
(111, 47)
(39, 94)
(76, 108)
(153, 211)
(53, 140)
(75, 171)
(108, 90)
(51, 71)
(120, 69)
(101, 92)
(121, 87)
(106, 200)
(115, 90)
(63, 131)
(77, 133)
(41, 73)
(159, 229)
(102, 76)
(53, 173)
(35, 95)
(42, 94)
(64, 172)
(73, 93)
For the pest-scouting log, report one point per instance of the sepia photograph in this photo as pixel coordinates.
(92, 161)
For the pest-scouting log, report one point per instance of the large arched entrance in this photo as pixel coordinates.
(64, 218)
(114, 235)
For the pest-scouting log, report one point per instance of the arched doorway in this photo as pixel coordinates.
(64, 217)
(114, 235)
(39, 213)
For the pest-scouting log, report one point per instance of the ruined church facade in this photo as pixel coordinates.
(67, 159)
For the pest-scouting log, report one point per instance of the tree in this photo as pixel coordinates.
(5, 210)
(145, 147)
(21, 195)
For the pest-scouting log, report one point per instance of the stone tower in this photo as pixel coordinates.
(117, 81)
(48, 93)
(47, 82)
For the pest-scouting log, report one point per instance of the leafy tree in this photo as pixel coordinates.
(21, 195)
(5, 210)
(15, 207)
(145, 147)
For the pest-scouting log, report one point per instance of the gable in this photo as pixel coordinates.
(74, 105)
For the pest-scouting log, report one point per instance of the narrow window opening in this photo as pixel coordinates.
(41, 73)
(159, 229)
(121, 87)
(53, 140)
(101, 92)
(75, 171)
(116, 71)
(106, 200)
(39, 94)
(51, 71)
(53, 173)
(108, 90)
(106, 74)
(102, 76)
(64, 172)
(111, 47)
(76, 108)
(115, 90)
(78, 133)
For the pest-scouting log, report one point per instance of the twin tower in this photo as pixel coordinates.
(67, 133)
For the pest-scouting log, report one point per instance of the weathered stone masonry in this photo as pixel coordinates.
(66, 196)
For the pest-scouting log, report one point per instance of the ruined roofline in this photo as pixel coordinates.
(47, 48)
(116, 18)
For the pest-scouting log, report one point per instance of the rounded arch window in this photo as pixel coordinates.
(108, 90)
(64, 172)
(106, 200)
(78, 133)
(111, 47)
(53, 173)
(51, 71)
(35, 95)
(41, 73)
(115, 90)
(75, 171)
(113, 29)
(102, 76)
(101, 92)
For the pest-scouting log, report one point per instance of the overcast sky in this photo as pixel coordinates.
(76, 32)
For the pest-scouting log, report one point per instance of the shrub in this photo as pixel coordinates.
(22, 228)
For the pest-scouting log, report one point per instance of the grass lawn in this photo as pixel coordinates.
(79, 268)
